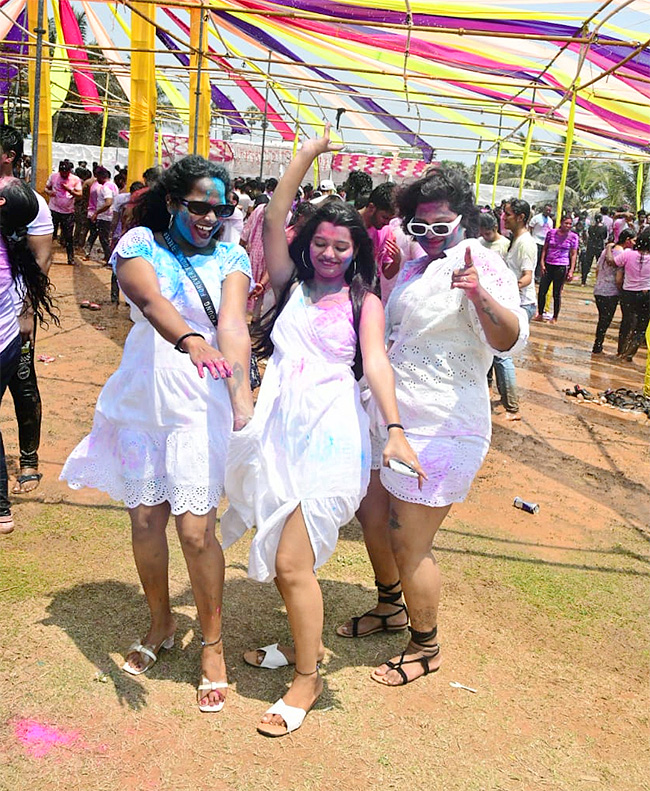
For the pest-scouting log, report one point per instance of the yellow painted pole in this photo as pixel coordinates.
(104, 123)
(143, 89)
(567, 154)
(42, 135)
(524, 159)
(639, 187)
(477, 168)
(497, 162)
(199, 87)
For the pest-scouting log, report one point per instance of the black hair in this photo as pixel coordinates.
(487, 221)
(598, 218)
(642, 243)
(440, 184)
(151, 209)
(135, 186)
(520, 206)
(19, 209)
(11, 140)
(625, 235)
(383, 197)
(271, 184)
(360, 276)
(604, 209)
(233, 196)
(120, 179)
(304, 209)
(102, 171)
(152, 175)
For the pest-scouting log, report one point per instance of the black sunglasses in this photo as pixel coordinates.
(202, 207)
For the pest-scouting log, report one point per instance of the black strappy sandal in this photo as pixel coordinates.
(430, 650)
(386, 595)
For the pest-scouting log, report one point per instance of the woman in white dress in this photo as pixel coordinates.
(164, 418)
(299, 469)
(451, 311)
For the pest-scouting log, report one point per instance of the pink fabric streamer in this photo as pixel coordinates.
(83, 77)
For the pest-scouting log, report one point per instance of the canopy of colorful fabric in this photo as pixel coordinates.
(405, 79)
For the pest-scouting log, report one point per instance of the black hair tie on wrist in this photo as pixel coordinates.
(177, 345)
(394, 425)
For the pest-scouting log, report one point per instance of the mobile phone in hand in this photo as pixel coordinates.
(402, 468)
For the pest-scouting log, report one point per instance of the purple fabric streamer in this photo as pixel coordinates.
(365, 102)
(234, 118)
(15, 45)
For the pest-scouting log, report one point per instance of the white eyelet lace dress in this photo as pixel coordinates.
(441, 357)
(308, 442)
(160, 432)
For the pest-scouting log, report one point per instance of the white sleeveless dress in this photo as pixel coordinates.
(160, 432)
(308, 442)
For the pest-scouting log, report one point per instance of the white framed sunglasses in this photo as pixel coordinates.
(419, 228)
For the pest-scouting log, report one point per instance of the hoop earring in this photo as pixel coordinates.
(307, 264)
(354, 267)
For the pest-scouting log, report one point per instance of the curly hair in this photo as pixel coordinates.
(440, 184)
(151, 209)
(20, 207)
(361, 276)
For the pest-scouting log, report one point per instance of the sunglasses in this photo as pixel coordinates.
(419, 228)
(202, 207)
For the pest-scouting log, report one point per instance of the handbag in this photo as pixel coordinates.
(208, 305)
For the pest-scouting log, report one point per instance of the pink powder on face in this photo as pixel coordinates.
(39, 739)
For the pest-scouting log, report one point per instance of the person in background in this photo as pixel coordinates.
(559, 257)
(376, 216)
(326, 189)
(633, 276)
(490, 236)
(606, 291)
(607, 220)
(596, 237)
(265, 197)
(521, 259)
(24, 384)
(539, 226)
(63, 189)
(234, 225)
(19, 271)
(100, 218)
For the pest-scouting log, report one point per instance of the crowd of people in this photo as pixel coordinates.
(382, 313)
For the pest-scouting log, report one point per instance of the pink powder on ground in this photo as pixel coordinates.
(39, 739)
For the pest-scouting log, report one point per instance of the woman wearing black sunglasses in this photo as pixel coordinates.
(164, 419)
(449, 313)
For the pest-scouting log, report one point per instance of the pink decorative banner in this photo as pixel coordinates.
(83, 76)
(176, 146)
(378, 166)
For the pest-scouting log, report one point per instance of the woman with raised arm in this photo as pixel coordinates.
(164, 418)
(300, 468)
(450, 312)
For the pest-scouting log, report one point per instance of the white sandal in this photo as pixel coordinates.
(293, 718)
(139, 648)
(208, 686)
(273, 658)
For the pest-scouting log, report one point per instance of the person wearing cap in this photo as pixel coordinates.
(63, 189)
(327, 189)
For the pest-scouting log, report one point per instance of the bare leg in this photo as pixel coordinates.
(205, 565)
(149, 538)
(373, 514)
(413, 528)
(302, 596)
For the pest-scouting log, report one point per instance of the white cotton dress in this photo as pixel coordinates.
(308, 442)
(160, 432)
(441, 356)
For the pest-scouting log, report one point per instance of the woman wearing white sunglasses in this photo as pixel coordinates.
(450, 312)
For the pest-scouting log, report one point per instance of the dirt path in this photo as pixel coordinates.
(545, 616)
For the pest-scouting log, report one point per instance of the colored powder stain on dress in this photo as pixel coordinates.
(40, 739)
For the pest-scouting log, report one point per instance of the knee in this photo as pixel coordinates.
(196, 540)
(289, 569)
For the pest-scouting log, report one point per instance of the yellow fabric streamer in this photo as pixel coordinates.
(143, 90)
(199, 87)
(60, 73)
(44, 150)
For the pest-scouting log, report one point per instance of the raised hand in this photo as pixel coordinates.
(466, 278)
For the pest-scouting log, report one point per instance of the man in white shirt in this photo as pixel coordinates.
(233, 225)
(521, 259)
(539, 226)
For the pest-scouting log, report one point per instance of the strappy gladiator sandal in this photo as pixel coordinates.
(430, 650)
(386, 594)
